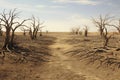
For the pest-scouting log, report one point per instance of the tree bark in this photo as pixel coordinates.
(7, 39)
(12, 38)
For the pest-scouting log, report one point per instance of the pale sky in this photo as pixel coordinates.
(62, 15)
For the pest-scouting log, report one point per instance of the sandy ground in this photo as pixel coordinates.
(59, 67)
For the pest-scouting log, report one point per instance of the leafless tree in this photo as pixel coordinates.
(24, 30)
(86, 31)
(101, 22)
(35, 28)
(75, 30)
(14, 28)
(72, 30)
(8, 21)
(117, 26)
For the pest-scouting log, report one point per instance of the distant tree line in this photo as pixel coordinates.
(103, 23)
(78, 31)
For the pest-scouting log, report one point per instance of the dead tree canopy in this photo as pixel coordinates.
(10, 24)
(75, 30)
(35, 27)
(117, 26)
(101, 22)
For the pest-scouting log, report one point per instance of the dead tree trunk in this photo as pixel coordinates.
(101, 30)
(1, 32)
(7, 39)
(106, 38)
(86, 31)
(34, 29)
(30, 33)
(12, 38)
(8, 21)
(24, 33)
(24, 29)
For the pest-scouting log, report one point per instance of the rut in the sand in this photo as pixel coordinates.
(60, 66)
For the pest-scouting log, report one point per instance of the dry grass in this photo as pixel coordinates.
(93, 57)
(92, 47)
(62, 56)
(28, 54)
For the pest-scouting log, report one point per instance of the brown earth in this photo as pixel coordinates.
(50, 58)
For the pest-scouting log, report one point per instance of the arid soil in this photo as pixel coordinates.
(57, 57)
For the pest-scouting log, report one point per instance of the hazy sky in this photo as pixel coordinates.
(61, 15)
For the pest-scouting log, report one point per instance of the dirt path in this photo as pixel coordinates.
(59, 67)
(62, 67)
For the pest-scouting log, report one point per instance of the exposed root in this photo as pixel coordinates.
(2, 56)
(104, 57)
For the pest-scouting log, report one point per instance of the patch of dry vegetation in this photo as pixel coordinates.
(91, 49)
(28, 54)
